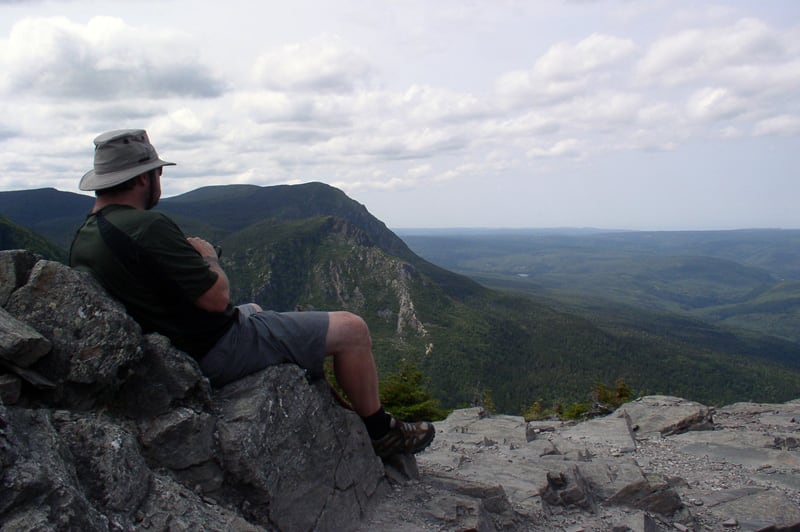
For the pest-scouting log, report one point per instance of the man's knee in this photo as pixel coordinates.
(348, 330)
(357, 327)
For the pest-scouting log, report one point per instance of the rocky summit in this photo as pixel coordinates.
(657, 463)
(104, 428)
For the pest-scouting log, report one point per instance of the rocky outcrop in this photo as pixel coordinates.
(656, 464)
(103, 428)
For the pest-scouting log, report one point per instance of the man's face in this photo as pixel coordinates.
(155, 187)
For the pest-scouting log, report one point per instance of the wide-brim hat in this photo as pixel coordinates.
(120, 155)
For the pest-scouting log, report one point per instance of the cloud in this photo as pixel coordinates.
(325, 64)
(783, 125)
(274, 106)
(748, 47)
(563, 148)
(595, 52)
(104, 59)
(565, 70)
(423, 103)
(385, 97)
(714, 103)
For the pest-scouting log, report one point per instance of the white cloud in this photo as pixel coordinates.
(325, 64)
(563, 148)
(104, 59)
(273, 106)
(783, 125)
(591, 54)
(565, 70)
(714, 103)
(183, 124)
(717, 53)
(389, 97)
(430, 104)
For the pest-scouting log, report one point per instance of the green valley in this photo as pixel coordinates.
(485, 317)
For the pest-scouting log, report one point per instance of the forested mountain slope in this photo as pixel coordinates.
(310, 246)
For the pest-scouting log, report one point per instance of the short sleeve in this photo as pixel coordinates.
(179, 261)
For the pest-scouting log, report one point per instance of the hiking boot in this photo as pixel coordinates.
(404, 438)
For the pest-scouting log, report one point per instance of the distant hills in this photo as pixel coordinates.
(14, 236)
(747, 279)
(310, 246)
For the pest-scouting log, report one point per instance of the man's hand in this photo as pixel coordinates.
(205, 249)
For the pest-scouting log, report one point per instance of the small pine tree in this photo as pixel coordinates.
(487, 401)
(406, 396)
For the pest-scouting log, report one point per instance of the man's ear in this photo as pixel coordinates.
(142, 179)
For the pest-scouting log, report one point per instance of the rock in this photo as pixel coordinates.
(442, 502)
(612, 431)
(164, 379)
(658, 497)
(568, 489)
(107, 460)
(758, 508)
(10, 389)
(179, 439)
(133, 437)
(594, 475)
(401, 467)
(276, 443)
(666, 415)
(15, 267)
(20, 344)
(94, 340)
(40, 489)
(172, 506)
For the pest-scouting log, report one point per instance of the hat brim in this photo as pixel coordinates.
(95, 181)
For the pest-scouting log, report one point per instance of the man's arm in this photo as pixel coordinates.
(216, 298)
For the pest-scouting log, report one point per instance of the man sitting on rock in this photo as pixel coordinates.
(175, 286)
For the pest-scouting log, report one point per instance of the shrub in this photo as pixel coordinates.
(406, 396)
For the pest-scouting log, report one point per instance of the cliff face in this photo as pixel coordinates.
(104, 428)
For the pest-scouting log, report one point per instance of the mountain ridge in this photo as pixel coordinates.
(312, 246)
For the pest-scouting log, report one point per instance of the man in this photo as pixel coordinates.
(175, 286)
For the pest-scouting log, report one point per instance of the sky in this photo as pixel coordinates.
(617, 114)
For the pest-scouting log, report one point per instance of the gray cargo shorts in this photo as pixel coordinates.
(266, 338)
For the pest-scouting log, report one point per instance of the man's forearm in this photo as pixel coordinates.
(222, 286)
(216, 298)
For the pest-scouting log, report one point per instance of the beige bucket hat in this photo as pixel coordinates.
(120, 155)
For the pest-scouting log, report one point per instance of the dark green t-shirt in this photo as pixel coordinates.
(161, 296)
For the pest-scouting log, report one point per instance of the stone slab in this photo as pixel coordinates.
(610, 431)
(745, 456)
(657, 414)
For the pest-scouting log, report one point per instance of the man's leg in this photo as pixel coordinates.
(349, 343)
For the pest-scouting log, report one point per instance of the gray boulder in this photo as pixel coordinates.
(39, 485)
(131, 436)
(15, 267)
(667, 415)
(94, 340)
(303, 470)
(20, 345)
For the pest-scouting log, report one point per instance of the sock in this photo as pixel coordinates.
(377, 424)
